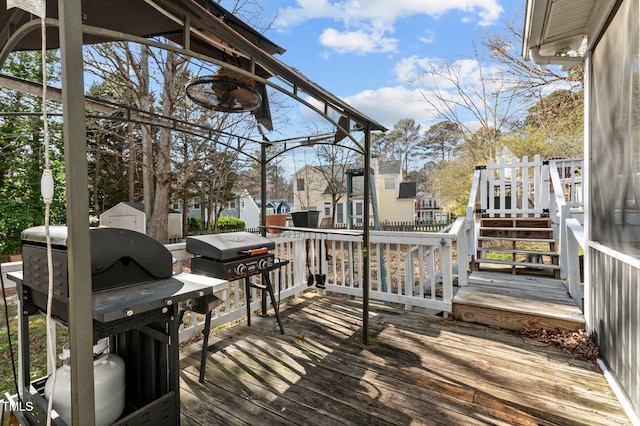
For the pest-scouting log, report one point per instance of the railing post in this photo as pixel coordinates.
(463, 256)
(446, 267)
(544, 185)
(299, 261)
(564, 249)
(575, 239)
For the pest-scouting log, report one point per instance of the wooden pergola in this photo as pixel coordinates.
(199, 29)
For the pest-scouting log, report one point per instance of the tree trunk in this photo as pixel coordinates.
(131, 169)
(184, 198)
(147, 141)
(157, 222)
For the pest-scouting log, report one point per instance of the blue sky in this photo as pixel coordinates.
(364, 50)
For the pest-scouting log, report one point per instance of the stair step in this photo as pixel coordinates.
(516, 222)
(532, 240)
(507, 250)
(508, 229)
(525, 264)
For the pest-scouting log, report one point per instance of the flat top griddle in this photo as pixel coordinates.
(227, 246)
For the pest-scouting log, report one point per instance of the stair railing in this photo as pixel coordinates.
(575, 242)
(559, 213)
(471, 226)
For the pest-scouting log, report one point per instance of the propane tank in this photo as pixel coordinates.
(109, 385)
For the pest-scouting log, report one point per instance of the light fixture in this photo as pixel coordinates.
(225, 92)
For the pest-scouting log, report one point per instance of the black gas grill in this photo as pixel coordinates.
(232, 256)
(135, 303)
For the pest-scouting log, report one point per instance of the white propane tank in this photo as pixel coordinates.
(109, 384)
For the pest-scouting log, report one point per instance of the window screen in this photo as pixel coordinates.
(615, 132)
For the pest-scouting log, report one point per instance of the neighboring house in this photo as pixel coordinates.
(131, 216)
(396, 198)
(276, 206)
(428, 209)
(603, 36)
(244, 207)
(314, 185)
(194, 209)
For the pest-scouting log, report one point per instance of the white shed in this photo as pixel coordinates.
(131, 216)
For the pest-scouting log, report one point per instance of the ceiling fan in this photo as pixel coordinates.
(225, 93)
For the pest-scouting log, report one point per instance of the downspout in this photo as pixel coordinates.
(565, 62)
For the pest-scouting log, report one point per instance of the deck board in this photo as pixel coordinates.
(417, 369)
(516, 302)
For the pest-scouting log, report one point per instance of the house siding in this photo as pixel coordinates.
(613, 222)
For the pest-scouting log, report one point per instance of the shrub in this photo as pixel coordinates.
(230, 224)
(194, 224)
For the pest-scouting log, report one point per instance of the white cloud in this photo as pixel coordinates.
(428, 37)
(388, 105)
(367, 23)
(408, 69)
(360, 42)
(442, 74)
(354, 11)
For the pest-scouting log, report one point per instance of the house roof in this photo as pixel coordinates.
(137, 206)
(407, 190)
(392, 168)
(552, 28)
(275, 203)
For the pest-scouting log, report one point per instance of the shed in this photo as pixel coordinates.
(131, 216)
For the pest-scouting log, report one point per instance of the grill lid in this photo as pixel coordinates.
(230, 245)
(118, 256)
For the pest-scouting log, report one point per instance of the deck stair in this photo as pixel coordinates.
(517, 302)
(528, 243)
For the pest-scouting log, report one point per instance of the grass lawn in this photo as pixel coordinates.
(38, 346)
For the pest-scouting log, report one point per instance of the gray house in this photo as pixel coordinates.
(603, 36)
(244, 207)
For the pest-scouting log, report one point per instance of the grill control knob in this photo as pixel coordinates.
(263, 263)
(241, 269)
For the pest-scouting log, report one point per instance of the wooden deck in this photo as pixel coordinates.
(515, 302)
(417, 369)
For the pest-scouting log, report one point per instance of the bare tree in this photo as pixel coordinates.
(478, 98)
(489, 96)
(169, 158)
(333, 163)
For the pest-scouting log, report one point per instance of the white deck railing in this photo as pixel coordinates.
(566, 201)
(528, 189)
(514, 187)
(412, 269)
(575, 241)
(570, 178)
